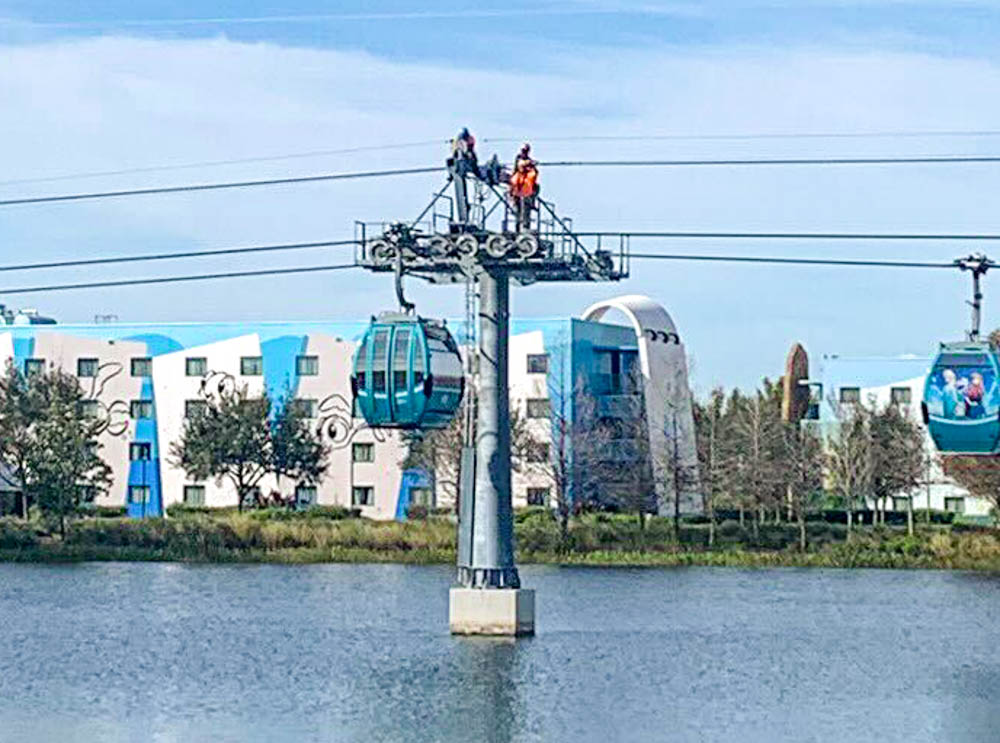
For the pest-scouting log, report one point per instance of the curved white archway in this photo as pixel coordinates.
(667, 396)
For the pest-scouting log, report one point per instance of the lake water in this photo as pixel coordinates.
(164, 652)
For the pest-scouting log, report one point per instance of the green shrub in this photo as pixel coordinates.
(16, 534)
(416, 512)
(532, 512)
(730, 529)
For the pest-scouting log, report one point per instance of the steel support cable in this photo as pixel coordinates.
(345, 266)
(176, 279)
(343, 243)
(444, 141)
(799, 261)
(919, 160)
(922, 160)
(219, 186)
(173, 256)
(795, 235)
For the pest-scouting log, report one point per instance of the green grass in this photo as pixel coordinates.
(597, 539)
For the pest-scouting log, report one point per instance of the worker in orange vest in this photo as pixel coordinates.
(524, 187)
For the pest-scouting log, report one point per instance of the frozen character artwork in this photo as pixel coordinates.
(974, 394)
(949, 394)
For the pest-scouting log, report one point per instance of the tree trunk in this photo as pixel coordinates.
(850, 522)
(563, 529)
(802, 530)
(711, 528)
(677, 514)
(62, 526)
(742, 518)
(909, 516)
(24, 505)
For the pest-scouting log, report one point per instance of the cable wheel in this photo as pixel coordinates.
(497, 246)
(527, 246)
(382, 251)
(440, 245)
(466, 246)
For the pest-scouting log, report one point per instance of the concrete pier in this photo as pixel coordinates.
(506, 612)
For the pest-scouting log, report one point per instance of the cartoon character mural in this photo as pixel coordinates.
(962, 391)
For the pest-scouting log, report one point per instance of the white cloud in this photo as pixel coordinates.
(105, 103)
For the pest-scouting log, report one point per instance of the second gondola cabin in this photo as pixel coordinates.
(407, 373)
(961, 405)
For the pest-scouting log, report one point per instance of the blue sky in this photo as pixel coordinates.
(120, 85)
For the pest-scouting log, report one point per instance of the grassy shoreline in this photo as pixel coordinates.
(595, 541)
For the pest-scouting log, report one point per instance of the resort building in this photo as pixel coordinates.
(145, 379)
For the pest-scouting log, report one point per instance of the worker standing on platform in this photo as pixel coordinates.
(463, 151)
(524, 187)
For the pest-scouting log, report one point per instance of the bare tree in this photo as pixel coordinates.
(898, 451)
(803, 471)
(757, 441)
(709, 429)
(850, 457)
(679, 474)
(980, 476)
(578, 444)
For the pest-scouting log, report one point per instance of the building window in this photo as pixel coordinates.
(194, 495)
(138, 494)
(251, 366)
(901, 503)
(363, 452)
(538, 408)
(305, 495)
(538, 496)
(954, 505)
(142, 367)
(140, 451)
(363, 495)
(850, 395)
(422, 497)
(87, 408)
(194, 408)
(195, 366)
(538, 363)
(307, 366)
(34, 366)
(901, 395)
(141, 409)
(537, 452)
(86, 367)
(305, 408)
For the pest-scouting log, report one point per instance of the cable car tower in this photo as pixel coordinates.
(488, 240)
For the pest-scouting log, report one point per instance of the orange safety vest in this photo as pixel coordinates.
(523, 184)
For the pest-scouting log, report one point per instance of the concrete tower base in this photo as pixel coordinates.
(492, 611)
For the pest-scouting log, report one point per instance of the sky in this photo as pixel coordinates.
(153, 87)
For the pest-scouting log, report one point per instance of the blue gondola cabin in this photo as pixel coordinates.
(407, 373)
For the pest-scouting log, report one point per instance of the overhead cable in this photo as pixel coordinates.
(218, 163)
(578, 138)
(219, 186)
(344, 266)
(800, 261)
(902, 134)
(921, 160)
(175, 279)
(174, 256)
(794, 235)
(740, 162)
